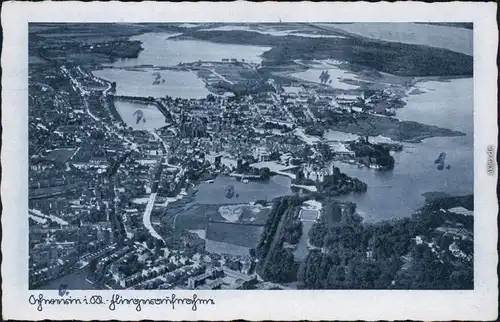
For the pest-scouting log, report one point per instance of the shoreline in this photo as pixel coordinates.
(431, 196)
(435, 131)
(414, 80)
(392, 127)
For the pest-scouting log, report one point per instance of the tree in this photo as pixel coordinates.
(158, 251)
(317, 234)
(141, 236)
(92, 266)
(275, 155)
(462, 278)
(281, 267)
(293, 232)
(265, 173)
(159, 243)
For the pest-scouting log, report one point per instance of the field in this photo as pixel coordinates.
(193, 217)
(213, 246)
(232, 72)
(255, 215)
(226, 76)
(246, 235)
(302, 249)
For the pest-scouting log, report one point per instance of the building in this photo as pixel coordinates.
(50, 252)
(235, 279)
(346, 99)
(261, 154)
(218, 278)
(215, 284)
(195, 281)
(357, 109)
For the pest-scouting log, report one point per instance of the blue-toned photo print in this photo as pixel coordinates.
(251, 156)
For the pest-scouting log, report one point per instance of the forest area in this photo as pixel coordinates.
(429, 250)
(389, 57)
(432, 249)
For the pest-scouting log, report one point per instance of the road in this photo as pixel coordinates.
(51, 217)
(129, 145)
(220, 76)
(215, 73)
(149, 207)
(146, 218)
(180, 174)
(85, 94)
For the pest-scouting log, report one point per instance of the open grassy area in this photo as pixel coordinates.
(247, 235)
(195, 216)
(217, 247)
(192, 218)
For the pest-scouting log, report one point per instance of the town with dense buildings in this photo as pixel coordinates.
(117, 204)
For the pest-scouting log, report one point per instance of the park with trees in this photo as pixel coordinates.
(423, 251)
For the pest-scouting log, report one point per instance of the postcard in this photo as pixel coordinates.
(257, 161)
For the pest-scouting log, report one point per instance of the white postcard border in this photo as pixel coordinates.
(479, 304)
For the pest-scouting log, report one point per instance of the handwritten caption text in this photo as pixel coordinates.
(117, 300)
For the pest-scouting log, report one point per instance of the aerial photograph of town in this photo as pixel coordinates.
(251, 156)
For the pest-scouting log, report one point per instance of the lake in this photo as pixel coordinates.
(446, 37)
(336, 76)
(75, 281)
(139, 82)
(398, 193)
(151, 118)
(159, 50)
(162, 51)
(215, 193)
